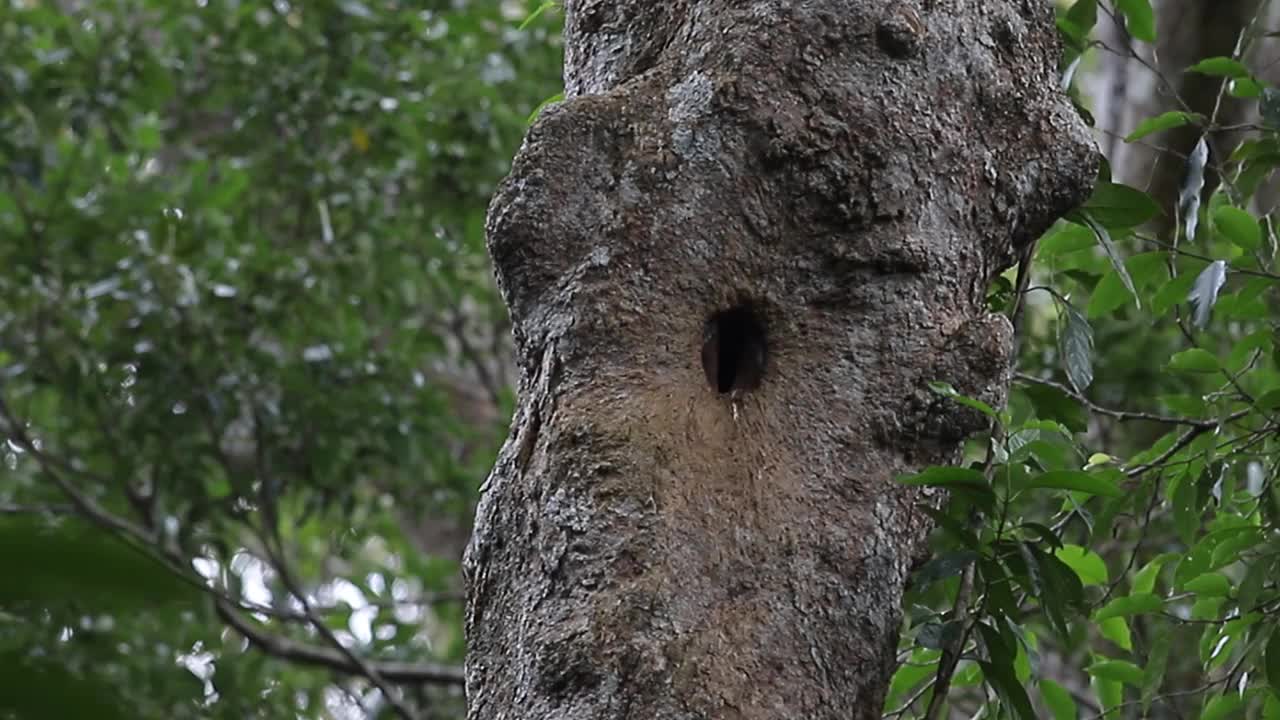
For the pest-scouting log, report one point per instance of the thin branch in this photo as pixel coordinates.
(284, 648)
(1197, 256)
(915, 697)
(1186, 439)
(1118, 414)
(54, 468)
(19, 509)
(271, 536)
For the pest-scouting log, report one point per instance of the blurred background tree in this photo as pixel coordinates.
(252, 364)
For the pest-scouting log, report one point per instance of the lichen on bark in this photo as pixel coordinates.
(852, 175)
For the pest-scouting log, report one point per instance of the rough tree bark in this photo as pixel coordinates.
(733, 258)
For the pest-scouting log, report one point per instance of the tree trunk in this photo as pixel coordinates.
(734, 258)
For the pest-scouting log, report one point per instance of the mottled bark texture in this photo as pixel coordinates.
(836, 182)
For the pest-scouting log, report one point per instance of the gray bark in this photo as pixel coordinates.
(801, 204)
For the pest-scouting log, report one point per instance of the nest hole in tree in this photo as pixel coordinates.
(734, 349)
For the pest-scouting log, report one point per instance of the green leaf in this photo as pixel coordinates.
(1117, 671)
(1079, 480)
(1061, 588)
(1141, 21)
(1063, 238)
(1154, 668)
(1246, 87)
(1220, 67)
(1109, 294)
(1079, 20)
(945, 476)
(1194, 360)
(543, 106)
(953, 527)
(1271, 707)
(1084, 13)
(923, 665)
(1164, 121)
(1116, 206)
(1110, 694)
(538, 12)
(947, 391)
(1186, 517)
(1145, 581)
(1269, 400)
(1076, 346)
(1172, 293)
(1116, 630)
(1012, 694)
(1222, 707)
(37, 687)
(1272, 659)
(1087, 564)
(947, 565)
(1135, 604)
(1058, 700)
(1117, 263)
(1238, 226)
(1255, 579)
(1211, 584)
(1053, 404)
(75, 563)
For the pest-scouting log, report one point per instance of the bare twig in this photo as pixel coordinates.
(285, 648)
(1118, 414)
(1184, 440)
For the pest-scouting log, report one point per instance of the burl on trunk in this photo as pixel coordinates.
(734, 258)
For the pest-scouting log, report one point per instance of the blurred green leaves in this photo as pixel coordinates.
(246, 304)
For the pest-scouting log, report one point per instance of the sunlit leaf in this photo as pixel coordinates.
(1141, 21)
(1078, 480)
(1117, 671)
(1194, 360)
(1212, 584)
(1221, 707)
(1220, 66)
(1163, 121)
(1238, 226)
(1058, 700)
(1135, 604)
(946, 477)
(1087, 564)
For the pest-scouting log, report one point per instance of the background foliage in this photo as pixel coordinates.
(1111, 548)
(251, 359)
(252, 371)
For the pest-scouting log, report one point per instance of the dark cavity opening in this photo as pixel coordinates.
(734, 350)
